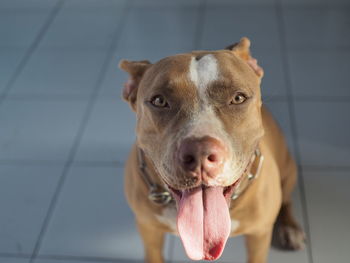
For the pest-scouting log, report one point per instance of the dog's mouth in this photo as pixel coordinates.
(227, 191)
(203, 219)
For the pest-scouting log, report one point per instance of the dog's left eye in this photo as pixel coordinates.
(159, 101)
(238, 98)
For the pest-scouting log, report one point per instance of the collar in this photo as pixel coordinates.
(160, 196)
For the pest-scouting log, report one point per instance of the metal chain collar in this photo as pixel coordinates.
(160, 196)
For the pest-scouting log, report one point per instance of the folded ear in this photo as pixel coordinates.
(136, 70)
(242, 50)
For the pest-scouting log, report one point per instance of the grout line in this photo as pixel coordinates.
(52, 15)
(291, 107)
(80, 132)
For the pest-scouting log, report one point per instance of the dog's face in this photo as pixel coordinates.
(199, 121)
(198, 103)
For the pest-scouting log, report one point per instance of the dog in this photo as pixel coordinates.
(209, 161)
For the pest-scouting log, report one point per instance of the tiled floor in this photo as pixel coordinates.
(65, 132)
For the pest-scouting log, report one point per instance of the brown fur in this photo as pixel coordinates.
(248, 125)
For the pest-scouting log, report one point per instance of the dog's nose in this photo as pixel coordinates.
(202, 156)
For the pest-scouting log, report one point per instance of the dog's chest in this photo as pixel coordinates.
(169, 214)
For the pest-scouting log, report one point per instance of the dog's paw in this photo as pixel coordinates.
(291, 237)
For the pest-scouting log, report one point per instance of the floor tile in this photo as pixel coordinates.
(25, 194)
(166, 3)
(88, 27)
(323, 133)
(273, 83)
(19, 29)
(328, 198)
(235, 248)
(317, 27)
(226, 24)
(96, 5)
(239, 2)
(85, 260)
(38, 130)
(165, 27)
(13, 260)
(92, 218)
(60, 72)
(109, 134)
(27, 5)
(10, 59)
(315, 2)
(320, 73)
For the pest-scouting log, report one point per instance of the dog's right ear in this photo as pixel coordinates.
(242, 50)
(136, 70)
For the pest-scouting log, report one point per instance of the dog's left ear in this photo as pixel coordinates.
(242, 50)
(136, 70)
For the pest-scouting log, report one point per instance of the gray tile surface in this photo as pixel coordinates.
(109, 134)
(317, 26)
(27, 5)
(18, 28)
(38, 130)
(179, 21)
(273, 83)
(166, 3)
(316, 73)
(323, 130)
(13, 260)
(316, 3)
(10, 59)
(88, 27)
(329, 214)
(240, 2)
(82, 260)
(60, 72)
(96, 5)
(259, 23)
(25, 194)
(92, 217)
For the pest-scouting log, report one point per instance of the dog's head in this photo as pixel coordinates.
(199, 121)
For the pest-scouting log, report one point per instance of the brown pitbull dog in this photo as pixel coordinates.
(209, 162)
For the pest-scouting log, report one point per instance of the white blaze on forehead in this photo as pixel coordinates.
(203, 71)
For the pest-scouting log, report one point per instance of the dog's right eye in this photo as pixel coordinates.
(159, 101)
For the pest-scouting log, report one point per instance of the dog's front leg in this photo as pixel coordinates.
(153, 240)
(258, 245)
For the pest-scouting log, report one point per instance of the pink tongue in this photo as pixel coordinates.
(203, 222)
